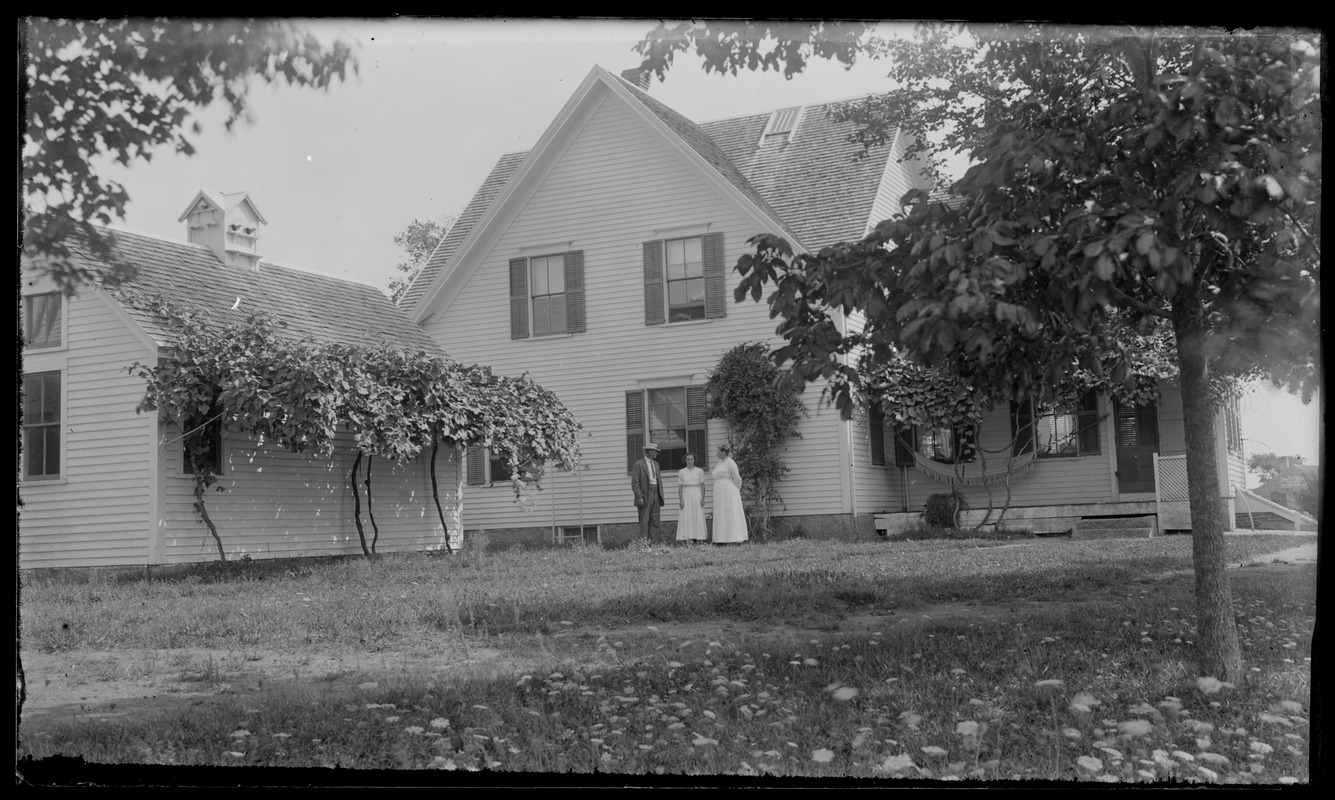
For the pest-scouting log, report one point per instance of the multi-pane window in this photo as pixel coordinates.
(41, 425)
(488, 467)
(685, 267)
(547, 295)
(1064, 432)
(41, 320)
(672, 418)
(685, 279)
(547, 286)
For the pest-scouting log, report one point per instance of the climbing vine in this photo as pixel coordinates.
(744, 390)
(296, 393)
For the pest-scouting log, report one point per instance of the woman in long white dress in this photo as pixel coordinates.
(729, 516)
(691, 501)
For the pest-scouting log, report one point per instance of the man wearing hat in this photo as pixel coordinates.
(646, 480)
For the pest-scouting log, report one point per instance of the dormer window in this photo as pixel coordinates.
(781, 124)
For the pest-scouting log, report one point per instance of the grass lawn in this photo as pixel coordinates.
(1050, 659)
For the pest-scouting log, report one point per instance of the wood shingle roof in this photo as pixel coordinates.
(324, 308)
(812, 181)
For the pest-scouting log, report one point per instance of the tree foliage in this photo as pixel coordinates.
(417, 241)
(762, 414)
(1120, 176)
(1268, 465)
(123, 89)
(727, 47)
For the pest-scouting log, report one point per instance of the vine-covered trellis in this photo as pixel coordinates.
(258, 379)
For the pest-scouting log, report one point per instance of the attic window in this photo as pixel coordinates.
(782, 122)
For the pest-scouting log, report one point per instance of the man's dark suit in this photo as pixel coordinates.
(648, 498)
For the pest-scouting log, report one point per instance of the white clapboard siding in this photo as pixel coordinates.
(98, 515)
(281, 504)
(612, 187)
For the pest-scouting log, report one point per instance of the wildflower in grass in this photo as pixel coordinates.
(845, 693)
(1083, 702)
(1287, 706)
(932, 751)
(1135, 727)
(910, 719)
(822, 755)
(1261, 748)
(1090, 763)
(1208, 685)
(811, 662)
(967, 728)
(414, 730)
(368, 686)
(1182, 755)
(1275, 719)
(1213, 758)
(1049, 683)
(235, 754)
(391, 719)
(1288, 780)
(701, 740)
(1208, 774)
(1071, 733)
(240, 733)
(1146, 774)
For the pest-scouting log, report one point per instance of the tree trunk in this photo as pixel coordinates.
(435, 495)
(357, 504)
(369, 513)
(200, 484)
(1216, 630)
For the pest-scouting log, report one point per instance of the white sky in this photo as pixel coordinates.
(339, 173)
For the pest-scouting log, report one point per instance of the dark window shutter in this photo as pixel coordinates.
(476, 461)
(697, 433)
(716, 289)
(634, 427)
(903, 446)
(1087, 417)
(1022, 427)
(876, 424)
(574, 269)
(653, 283)
(519, 298)
(966, 444)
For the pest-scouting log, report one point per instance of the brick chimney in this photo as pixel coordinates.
(227, 224)
(636, 77)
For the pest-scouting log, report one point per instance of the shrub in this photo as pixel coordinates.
(942, 510)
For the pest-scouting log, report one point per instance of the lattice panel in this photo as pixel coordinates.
(1173, 479)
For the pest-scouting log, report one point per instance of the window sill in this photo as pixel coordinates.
(564, 335)
(34, 480)
(686, 322)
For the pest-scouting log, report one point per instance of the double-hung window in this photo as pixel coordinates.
(42, 320)
(1057, 432)
(684, 279)
(41, 425)
(948, 445)
(204, 434)
(547, 295)
(487, 467)
(671, 417)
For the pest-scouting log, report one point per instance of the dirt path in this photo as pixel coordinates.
(91, 685)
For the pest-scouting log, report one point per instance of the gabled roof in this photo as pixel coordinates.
(1309, 471)
(324, 308)
(810, 184)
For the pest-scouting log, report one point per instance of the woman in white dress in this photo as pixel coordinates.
(691, 501)
(729, 516)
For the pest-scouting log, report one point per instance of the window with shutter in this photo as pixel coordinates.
(684, 279)
(1057, 432)
(476, 463)
(876, 431)
(671, 417)
(547, 295)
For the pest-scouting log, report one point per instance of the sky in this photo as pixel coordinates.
(338, 173)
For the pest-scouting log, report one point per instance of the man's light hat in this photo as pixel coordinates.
(652, 446)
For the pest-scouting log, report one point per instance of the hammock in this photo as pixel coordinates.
(972, 474)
